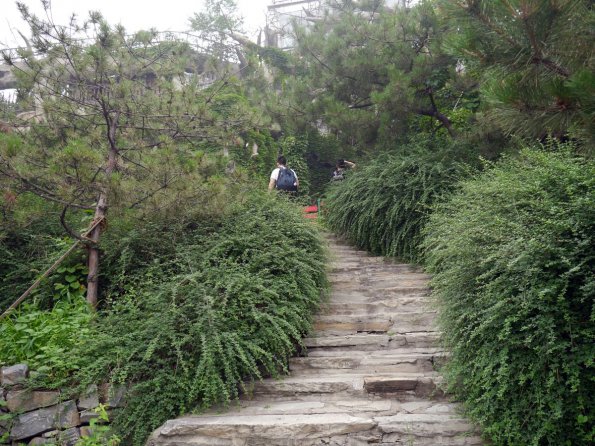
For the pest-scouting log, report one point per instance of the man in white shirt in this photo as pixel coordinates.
(283, 178)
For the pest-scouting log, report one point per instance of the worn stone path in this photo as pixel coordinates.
(369, 377)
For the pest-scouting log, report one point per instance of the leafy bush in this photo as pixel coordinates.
(383, 206)
(29, 243)
(232, 305)
(512, 256)
(44, 339)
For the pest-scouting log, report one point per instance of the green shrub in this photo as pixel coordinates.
(30, 241)
(44, 339)
(512, 256)
(383, 206)
(232, 305)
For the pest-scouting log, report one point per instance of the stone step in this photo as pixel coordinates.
(402, 427)
(289, 406)
(379, 276)
(392, 322)
(404, 305)
(371, 341)
(405, 385)
(359, 340)
(371, 265)
(227, 430)
(367, 294)
(397, 363)
(327, 352)
(316, 429)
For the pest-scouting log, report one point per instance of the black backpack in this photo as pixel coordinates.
(286, 180)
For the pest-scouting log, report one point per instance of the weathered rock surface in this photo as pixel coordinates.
(369, 377)
(90, 400)
(29, 424)
(14, 374)
(27, 400)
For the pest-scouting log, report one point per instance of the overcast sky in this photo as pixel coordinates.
(165, 15)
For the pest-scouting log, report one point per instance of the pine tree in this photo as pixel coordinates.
(370, 73)
(535, 61)
(121, 119)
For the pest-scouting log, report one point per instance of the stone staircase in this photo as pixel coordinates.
(369, 377)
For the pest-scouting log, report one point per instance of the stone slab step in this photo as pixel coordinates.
(350, 279)
(367, 294)
(425, 425)
(399, 363)
(421, 352)
(395, 322)
(394, 316)
(199, 430)
(296, 406)
(350, 340)
(316, 429)
(341, 341)
(408, 304)
(411, 440)
(405, 384)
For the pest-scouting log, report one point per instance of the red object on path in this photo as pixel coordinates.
(311, 211)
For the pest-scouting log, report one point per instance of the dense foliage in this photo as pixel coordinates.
(231, 305)
(383, 206)
(204, 286)
(534, 61)
(44, 339)
(368, 73)
(512, 256)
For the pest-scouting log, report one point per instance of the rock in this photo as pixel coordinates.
(426, 387)
(114, 395)
(394, 384)
(28, 400)
(90, 399)
(117, 396)
(50, 434)
(38, 441)
(14, 374)
(86, 431)
(88, 415)
(27, 425)
(69, 437)
(270, 426)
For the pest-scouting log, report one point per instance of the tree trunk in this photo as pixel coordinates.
(101, 212)
(93, 250)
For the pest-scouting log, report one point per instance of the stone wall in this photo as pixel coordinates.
(41, 416)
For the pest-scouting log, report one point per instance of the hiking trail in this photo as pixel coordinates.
(369, 378)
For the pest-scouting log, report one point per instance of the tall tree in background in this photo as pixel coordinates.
(370, 73)
(535, 61)
(120, 120)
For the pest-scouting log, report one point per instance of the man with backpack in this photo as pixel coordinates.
(283, 178)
